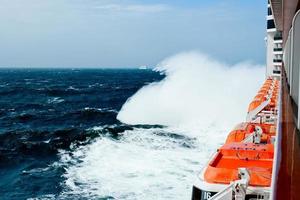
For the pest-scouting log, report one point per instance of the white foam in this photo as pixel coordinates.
(73, 88)
(197, 92)
(141, 165)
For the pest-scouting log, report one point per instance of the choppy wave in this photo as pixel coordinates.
(101, 110)
(55, 100)
(17, 144)
(73, 88)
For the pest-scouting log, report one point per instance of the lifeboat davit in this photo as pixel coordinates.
(244, 130)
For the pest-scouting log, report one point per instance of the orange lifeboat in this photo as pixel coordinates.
(270, 90)
(254, 104)
(257, 158)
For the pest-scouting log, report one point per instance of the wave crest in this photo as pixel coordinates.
(198, 91)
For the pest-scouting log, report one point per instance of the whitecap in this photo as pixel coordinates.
(55, 100)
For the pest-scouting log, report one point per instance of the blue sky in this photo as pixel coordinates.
(128, 33)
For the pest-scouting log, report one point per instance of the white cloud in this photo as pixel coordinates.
(134, 8)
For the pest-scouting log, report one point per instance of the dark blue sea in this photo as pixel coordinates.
(60, 139)
(43, 111)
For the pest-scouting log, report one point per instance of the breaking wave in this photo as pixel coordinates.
(197, 92)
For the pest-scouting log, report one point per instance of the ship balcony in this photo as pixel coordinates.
(278, 37)
(271, 30)
(277, 64)
(276, 61)
(278, 41)
(278, 52)
(276, 75)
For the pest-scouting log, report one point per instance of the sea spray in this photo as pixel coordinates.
(198, 92)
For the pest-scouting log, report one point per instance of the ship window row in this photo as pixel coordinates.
(270, 24)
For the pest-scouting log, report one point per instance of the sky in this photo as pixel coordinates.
(128, 33)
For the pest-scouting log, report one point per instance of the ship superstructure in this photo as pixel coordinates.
(274, 46)
(260, 158)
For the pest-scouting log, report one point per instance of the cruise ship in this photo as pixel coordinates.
(260, 158)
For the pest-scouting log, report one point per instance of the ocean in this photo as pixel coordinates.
(60, 139)
(127, 134)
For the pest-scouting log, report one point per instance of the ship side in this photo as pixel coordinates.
(286, 172)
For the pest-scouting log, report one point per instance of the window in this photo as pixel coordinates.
(277, 60)
(278, 36)
(270, 24)
(277, 49)
(276, 71)
(269, 11)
